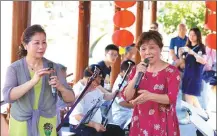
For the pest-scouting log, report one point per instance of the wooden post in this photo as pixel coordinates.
(82, 53)
(139, 25)
(116, 67)
(153, 11)
(20, 21)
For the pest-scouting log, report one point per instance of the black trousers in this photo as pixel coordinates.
(111, 130)
(85, 131)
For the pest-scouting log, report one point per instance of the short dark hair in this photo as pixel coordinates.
(125, 65)
(129, 48)
(133, 45)
(156, 24)
(150, 35)
(26, 37)
(88, 72)
(111, 47)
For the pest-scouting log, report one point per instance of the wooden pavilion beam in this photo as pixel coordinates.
(116, 67)
(153, 11)
(82, 53)
(21, 18)
(139, 25)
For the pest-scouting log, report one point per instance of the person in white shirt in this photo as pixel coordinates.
(121, 110)
(94, 93)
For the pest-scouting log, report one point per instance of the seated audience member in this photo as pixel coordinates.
(130, 53)
(154, 26)
(111, 54)
(62, 107)
(94, 93)
(121, 110)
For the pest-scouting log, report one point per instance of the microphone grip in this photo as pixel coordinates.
(53, 89)
(138, 79)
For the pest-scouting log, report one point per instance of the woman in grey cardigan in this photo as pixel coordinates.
(29, 85)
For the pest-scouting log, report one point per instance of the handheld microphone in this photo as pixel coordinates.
(140, 75)
(53, 89)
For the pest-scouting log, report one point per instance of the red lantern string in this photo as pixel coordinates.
(211, 5)
(211, 41)
(122, 38)
(124, 18)
(211, 22)
(125, 4)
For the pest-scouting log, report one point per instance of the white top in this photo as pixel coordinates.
(120, 114)
(86, 103)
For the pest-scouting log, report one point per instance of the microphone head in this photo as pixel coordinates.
(129, 62)
(146, 61)
(50, 65)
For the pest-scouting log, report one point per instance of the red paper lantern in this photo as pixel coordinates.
(125, 4)
(123, 18)
(211, 41)
(122, 38)
(211, 5)
(211, 22)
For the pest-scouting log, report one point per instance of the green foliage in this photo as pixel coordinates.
(192, 13)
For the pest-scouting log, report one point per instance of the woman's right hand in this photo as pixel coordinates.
(141, 67)
(39, 73)
(99, 127)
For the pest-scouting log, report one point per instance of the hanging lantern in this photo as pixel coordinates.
(211, 5)
(125, 4)
(211, 22)
(123, 18)
(122, 38)
(211, 41)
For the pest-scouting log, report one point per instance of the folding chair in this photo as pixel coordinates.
(199, 118)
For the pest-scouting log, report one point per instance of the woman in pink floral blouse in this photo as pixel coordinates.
(155, 101)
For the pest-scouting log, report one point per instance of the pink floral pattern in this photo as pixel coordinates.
(152, 118)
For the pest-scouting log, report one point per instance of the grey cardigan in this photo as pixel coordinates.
(22, 108)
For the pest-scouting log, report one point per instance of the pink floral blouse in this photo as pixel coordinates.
(152, 118)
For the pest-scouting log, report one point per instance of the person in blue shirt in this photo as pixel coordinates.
(111, 54)
(176, 43)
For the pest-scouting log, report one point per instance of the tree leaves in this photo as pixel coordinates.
(189, 12)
